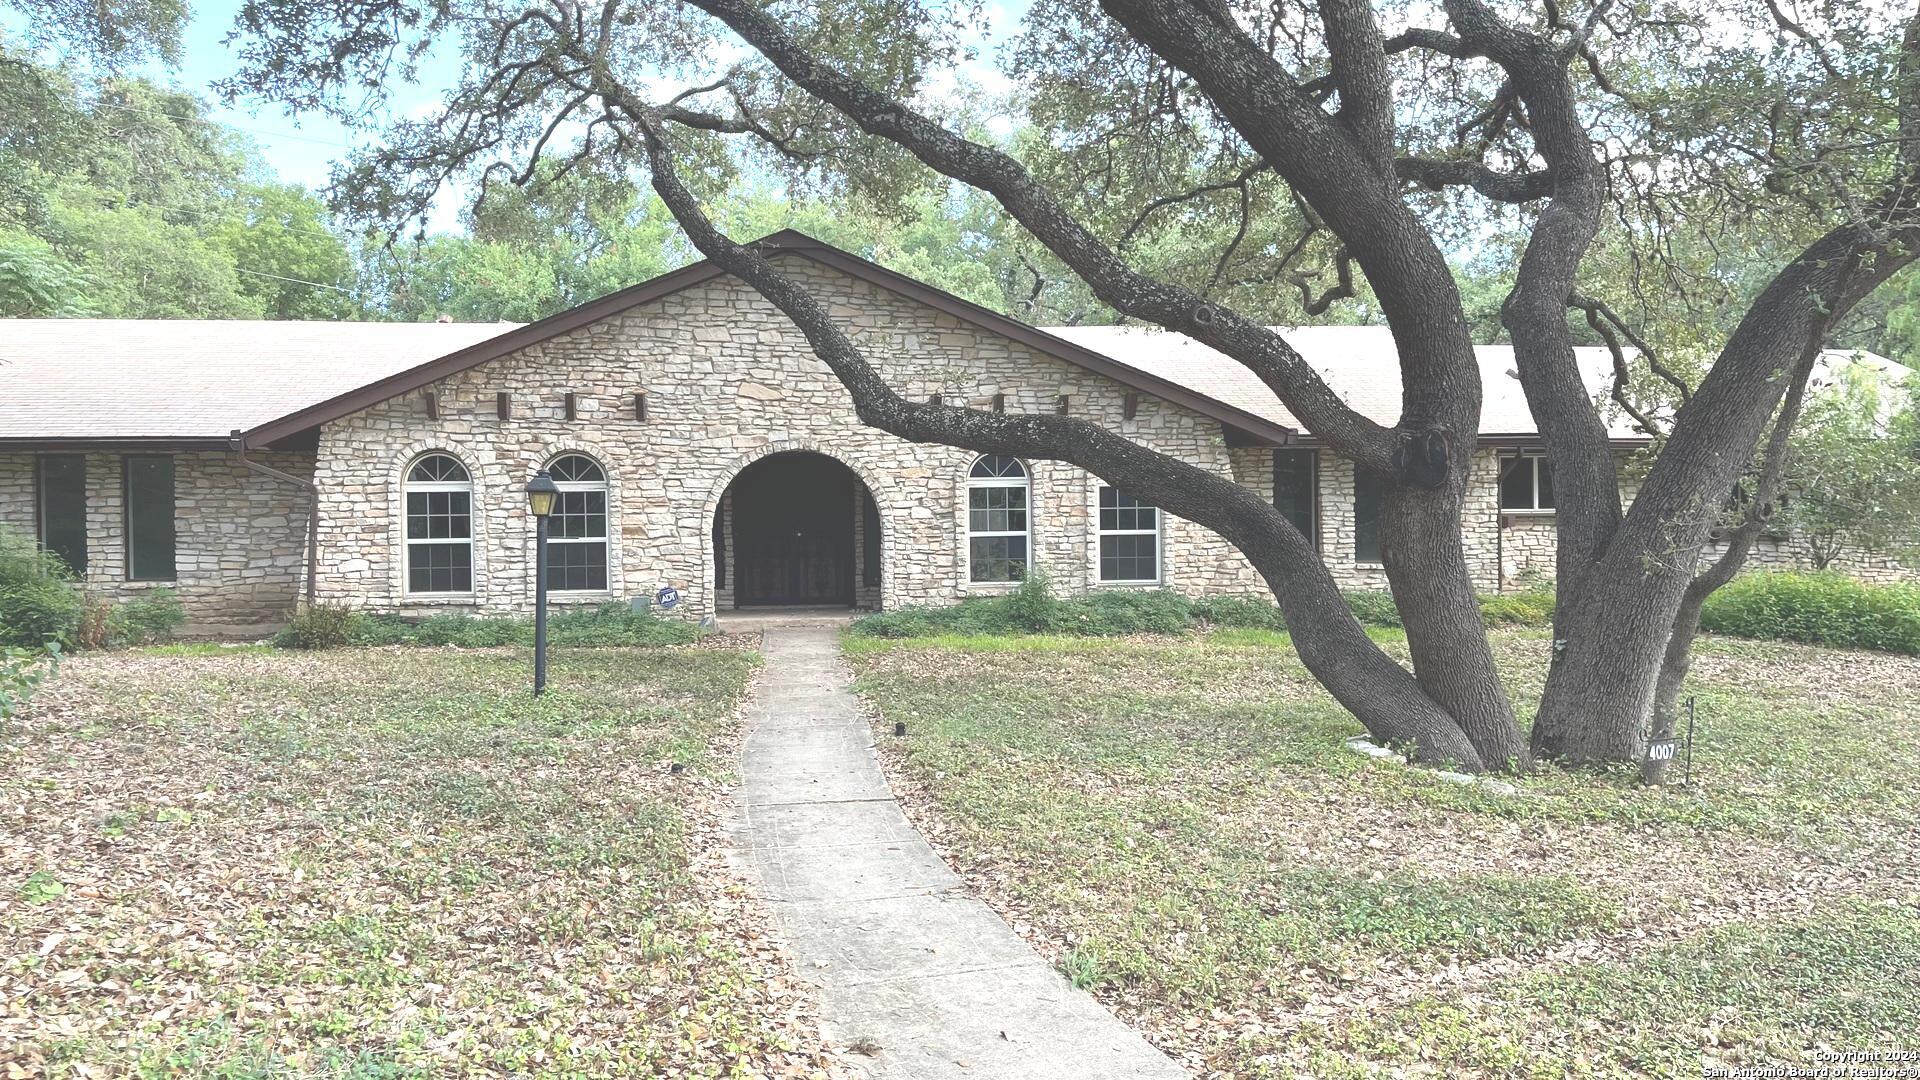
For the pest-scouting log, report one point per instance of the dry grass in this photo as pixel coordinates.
(384, 863)
(1176, 823)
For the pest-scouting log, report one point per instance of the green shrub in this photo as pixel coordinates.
(1115, 612)
(1820, 608)
(318, 626)
(1032, 606)
(39, 601)
(145, 619)
(613, 623)
(1238, 613)
(1532, 606)
(1373, 607)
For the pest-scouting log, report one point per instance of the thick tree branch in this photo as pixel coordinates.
(1359, 61)
(1331, 641)
(1434, 174)
(1265, 353)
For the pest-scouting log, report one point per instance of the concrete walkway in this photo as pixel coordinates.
(933, 982)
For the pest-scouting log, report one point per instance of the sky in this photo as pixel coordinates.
(303, 149)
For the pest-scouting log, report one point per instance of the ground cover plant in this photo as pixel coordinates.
(250, 862)
(1033, 608)
(1827, 608)
(1176, 822)
(324, 626)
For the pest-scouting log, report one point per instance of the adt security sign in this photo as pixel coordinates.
(667, 597)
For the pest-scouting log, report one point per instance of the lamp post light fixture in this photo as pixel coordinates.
(541, 495)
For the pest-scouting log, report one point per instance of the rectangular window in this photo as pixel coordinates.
(61, 491)
(1368, 492)
(997, 531)
(577, 542)
(439, 541)
(148, 487)
(1296, 484)
(1526, 482)
(1129, 538)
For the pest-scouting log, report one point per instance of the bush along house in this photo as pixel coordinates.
(699, 445)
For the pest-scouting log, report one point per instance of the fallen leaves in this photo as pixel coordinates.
(271, 861)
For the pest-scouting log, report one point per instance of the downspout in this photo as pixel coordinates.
(237, 443)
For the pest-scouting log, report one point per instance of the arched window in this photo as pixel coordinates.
(439, 496)
(577, 532)
(997, 526)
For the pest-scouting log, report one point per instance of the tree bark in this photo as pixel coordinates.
(1390, 702)
(1612, 645)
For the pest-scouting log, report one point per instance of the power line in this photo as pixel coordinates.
(295, 280)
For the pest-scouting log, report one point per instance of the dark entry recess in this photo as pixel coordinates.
(793, 537)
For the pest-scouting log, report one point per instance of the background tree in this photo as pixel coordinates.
(1372, 137)
(1852, 480)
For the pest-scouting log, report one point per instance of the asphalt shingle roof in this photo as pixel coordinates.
(108, 379)
(189, 379)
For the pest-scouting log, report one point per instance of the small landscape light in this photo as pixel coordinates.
(676, 768)
(899, 727)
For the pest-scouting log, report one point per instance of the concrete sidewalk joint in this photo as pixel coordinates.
(930, 979)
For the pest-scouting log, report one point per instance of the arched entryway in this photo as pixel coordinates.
(797, 529)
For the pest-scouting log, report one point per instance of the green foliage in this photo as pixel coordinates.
(612, 624)
(41, 887)
(39, 602)
(1820, 608)
(1373, 607)
(1238, 613)
(1528, 607)
(1853, 478)
(146, 620)
(118, 199)
(318, 626)
(1032, 608)
(21, 673)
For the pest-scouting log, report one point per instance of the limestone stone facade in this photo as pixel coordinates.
(239, 536)
(673, 399)
(728, 381)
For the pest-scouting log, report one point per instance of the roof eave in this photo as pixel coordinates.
(113, 442)
(697, 273)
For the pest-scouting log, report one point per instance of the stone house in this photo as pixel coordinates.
(700, 447)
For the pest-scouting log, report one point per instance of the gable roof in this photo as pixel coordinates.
(1360, 363)
(185, 382)
(189, 383)
(787, 241)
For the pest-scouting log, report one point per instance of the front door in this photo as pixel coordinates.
(793, 531)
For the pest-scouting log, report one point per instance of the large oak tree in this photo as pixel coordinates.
(1379, 137)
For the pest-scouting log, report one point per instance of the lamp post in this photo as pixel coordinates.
(541, 495)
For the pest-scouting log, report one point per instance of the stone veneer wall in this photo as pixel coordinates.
(729, 380)
(239, 537)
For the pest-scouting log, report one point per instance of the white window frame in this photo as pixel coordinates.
(604, 539)
(1533, 460)
(407, 487)
(1024, 482)
(1101, 532)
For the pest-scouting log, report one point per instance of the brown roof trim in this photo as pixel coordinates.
(480, 352)
(73, 443)
(1525, 440)
(787, 240)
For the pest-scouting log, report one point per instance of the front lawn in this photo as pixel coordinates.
(383, 863)
(1177, 824)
